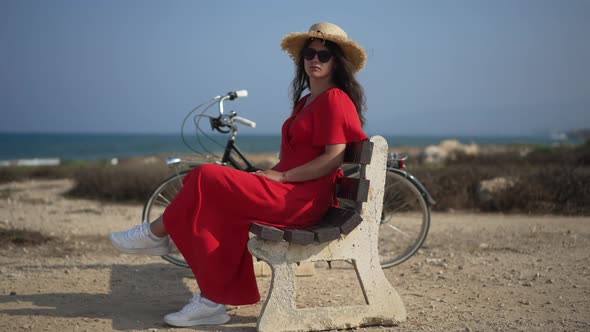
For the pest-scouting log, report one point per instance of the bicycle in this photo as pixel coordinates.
(406, 207)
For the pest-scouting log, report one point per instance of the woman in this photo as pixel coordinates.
(295, 193)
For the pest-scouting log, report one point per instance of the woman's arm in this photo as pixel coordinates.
(323, 165)
(277, 164)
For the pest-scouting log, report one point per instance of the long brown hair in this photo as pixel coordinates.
(342, 76)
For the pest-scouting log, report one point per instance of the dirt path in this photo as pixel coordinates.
(476, 273)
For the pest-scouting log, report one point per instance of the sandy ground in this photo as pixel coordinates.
(476, 273)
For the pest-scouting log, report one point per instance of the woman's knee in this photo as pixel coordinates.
(205, 171)
(205, 168)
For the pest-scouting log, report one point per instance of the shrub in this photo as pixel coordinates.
(455, 186)
(583, 154)
(20, 173)
(555, 190)
(549, 180)
(132, 181)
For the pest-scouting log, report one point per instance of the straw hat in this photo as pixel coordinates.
(355, 53)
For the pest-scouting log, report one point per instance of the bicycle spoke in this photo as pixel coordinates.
(177, 189)
(166, 201)
(400, 207)
(394, 201)
(398, 230)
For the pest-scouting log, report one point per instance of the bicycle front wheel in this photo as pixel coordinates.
(405, 220)
(154, 207)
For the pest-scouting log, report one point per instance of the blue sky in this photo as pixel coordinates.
(467, 67)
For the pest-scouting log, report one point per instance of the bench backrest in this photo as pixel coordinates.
(356, 189)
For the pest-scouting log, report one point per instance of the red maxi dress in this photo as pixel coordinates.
(210, 217)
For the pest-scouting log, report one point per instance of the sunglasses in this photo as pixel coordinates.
(323, 55)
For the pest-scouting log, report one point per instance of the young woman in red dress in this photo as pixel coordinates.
(295, 193)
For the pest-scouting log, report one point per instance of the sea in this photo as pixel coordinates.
(75, 147)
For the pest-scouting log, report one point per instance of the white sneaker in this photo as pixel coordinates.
(196, 312)
(137, 240)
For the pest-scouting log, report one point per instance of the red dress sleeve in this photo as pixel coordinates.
(335, 120)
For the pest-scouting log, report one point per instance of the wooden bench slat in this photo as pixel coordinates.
(335, 222)
(325, 233)
(358, 153)
(267, 232)
(353, 189)
(300, 236)
(345, 219)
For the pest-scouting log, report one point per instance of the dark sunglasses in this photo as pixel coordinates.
(323, 55)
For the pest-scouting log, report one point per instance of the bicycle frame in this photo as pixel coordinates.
(228, 158)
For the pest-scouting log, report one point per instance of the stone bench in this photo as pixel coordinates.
(342, 234)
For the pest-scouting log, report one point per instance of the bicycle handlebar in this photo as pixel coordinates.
(232, 95)
(228, 121)
(238, 94)
(245, 121)
(223, 123)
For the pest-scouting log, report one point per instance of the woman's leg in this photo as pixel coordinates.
(157, 227)
(149, 239)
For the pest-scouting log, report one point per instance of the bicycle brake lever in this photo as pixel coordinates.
(215, 123)
(221, 122)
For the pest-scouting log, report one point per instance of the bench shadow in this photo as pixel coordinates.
(137, 299)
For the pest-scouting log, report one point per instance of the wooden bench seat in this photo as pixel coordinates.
(337, 221)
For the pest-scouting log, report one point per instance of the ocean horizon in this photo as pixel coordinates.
(73, 146)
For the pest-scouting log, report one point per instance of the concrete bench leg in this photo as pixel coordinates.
(280, 303)
(279, 313)
(384, 305)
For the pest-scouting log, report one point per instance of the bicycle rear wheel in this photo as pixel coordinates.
(154, 207)
(405, 220)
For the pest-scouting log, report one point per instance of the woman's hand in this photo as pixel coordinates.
(271, 175)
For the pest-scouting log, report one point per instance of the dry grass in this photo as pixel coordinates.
(20, 237)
